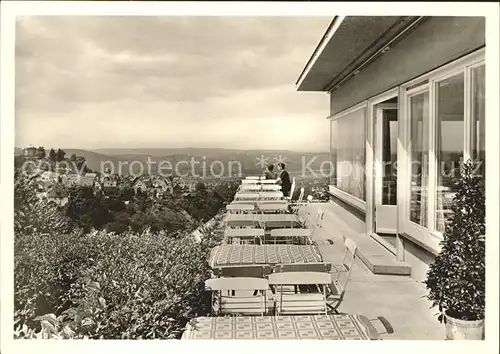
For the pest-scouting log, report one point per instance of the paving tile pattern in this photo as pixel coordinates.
(333, 327)
(234, 254)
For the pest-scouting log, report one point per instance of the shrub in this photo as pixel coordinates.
(104, 285)
(456, 280)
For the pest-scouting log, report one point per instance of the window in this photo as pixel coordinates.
(449, 143)
(389, 156)
(333, 152)
(419, 157)
(444, 123)
(348, 153)
(478, 117)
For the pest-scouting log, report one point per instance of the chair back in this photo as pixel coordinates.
(292, 189)
(301, 195)
(243, 271)
(300, 303)
(300, 278)
(233, 297)
(318, 221)
(235, 283)
(343, 275)
(319, 267)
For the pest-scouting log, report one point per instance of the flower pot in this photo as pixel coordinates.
(464, 330)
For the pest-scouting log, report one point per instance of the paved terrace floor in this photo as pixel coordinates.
(398, 298)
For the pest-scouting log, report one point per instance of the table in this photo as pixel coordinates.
(233, 254)
(250, 181)
(257, 195)
(271, 195)
(294, 232)
(334, 327)
(246, 196)
(253, 178)
(244, 234)
(264, 220)
(290, 235)
(268, 181)
(240, 207)
(271, 187)
(272, 207)
(249, 187)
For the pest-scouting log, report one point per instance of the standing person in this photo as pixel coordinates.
(284, 179)
(269, 172)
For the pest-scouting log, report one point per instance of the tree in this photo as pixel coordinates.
(81, 163)
(72, 158)
(40, 153)
(52, 155)
(200, 186)
(60, 155)
(456, 280)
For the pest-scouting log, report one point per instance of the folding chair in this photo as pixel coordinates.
(295, 206)
(338, 287)
(300, 303)
(242, 303)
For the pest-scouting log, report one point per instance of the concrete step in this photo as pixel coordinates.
(377, 258)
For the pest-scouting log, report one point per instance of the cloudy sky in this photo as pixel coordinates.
(100, 82)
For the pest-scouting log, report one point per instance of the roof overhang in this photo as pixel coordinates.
(349, 44)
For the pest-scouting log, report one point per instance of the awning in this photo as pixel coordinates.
(348, 43)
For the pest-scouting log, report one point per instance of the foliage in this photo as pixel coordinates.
(52, 155)
(456, 280)
(111, 286)
(40, 152)
(60, 155)
(32, 215)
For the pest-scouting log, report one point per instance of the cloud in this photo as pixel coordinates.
(154, 72)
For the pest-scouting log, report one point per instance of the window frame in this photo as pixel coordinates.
(334, 190)
(429, 236)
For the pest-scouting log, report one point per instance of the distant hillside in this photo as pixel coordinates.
(132, 160)
(247, 159)
(93, 159)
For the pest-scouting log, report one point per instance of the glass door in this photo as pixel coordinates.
(386, 157)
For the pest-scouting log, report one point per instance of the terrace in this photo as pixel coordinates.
(398, 298)
(260, 269)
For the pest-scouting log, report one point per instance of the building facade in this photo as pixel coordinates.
(407, 106)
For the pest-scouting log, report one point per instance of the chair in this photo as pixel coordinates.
(338, 286)
(317, 224)
(243, 303)
(300, 303)
(245, 235)
(319, 267)
(296, 205)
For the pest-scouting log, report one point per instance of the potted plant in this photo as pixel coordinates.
(456, 280)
